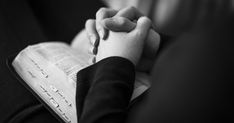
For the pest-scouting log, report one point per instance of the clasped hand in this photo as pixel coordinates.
(125, 33)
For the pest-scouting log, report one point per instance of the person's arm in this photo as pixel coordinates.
(104, 91)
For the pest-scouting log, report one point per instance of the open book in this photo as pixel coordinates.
(49, 69)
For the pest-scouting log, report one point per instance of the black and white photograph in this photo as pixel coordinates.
(116, 61)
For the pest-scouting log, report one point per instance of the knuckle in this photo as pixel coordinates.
(131, 8)
(101, 11)
(123, 21)
(147, 19)
(89, 22)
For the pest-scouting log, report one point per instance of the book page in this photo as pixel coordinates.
(63, 57)
(50, 70)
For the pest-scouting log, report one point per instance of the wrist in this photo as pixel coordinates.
(128, 56)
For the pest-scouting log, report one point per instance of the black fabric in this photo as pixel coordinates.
(104, 91)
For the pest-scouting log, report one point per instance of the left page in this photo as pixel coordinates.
(50, 70)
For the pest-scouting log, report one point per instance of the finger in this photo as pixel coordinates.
(118, 24)
(142, 27)
(93, 50)
(130, 12)
(103, 13)
(121, 24)
(90, 27)
(151, 45)
(151, 38)
(92, 60)
(100, 15)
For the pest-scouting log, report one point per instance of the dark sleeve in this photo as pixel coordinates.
(104, 91)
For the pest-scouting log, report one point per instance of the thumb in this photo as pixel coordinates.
(118, 24)
(143, 26)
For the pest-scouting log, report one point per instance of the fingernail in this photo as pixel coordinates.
(93, 40)
(91, 50)
(101, 33)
